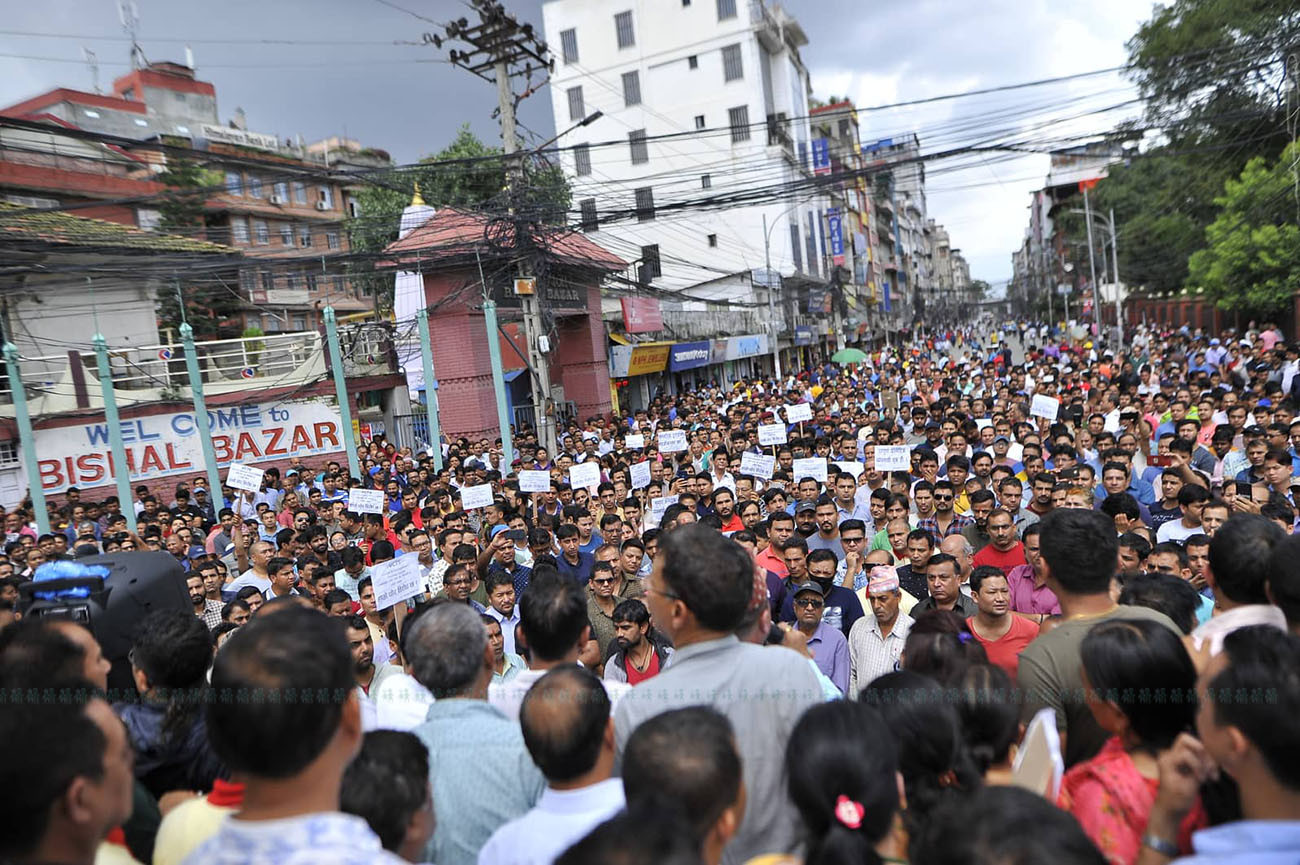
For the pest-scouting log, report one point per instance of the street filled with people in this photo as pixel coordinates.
(1002, 593)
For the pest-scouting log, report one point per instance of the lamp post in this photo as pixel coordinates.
(1109, 225)
(771, 289)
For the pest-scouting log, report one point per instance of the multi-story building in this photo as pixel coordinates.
(282, 205)
(712, 180)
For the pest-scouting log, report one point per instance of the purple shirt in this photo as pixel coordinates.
(1028, 598)
(830, 652)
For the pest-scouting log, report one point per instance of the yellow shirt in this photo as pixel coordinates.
(184, 828)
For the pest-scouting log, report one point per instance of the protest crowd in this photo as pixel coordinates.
(999, 595)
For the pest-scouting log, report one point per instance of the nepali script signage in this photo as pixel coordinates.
(168, 444)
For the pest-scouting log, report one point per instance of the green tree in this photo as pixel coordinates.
(1252, 256)
(979, 290)
(466, 174)
(211, 306)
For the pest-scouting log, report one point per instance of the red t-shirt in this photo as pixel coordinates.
(1004, 562)
(734, 524)
(1005, 651)
(650, 671)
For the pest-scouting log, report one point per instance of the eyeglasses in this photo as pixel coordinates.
(458, 582)
(939, 498)
(809, 602)
(602, 581)
(845, 540)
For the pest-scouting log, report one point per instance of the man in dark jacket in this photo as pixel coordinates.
(641, 651)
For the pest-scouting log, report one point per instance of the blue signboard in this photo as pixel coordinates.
(835, 228)
(689, 355)
(821, 156)
(887, 304)
(802, 335)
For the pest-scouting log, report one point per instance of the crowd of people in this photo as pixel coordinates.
(1066, 627)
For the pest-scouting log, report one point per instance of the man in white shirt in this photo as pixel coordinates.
(570, 736)
(553, 618)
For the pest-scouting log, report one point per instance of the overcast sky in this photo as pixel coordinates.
(389, 96)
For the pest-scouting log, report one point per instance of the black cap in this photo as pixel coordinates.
(808, 587)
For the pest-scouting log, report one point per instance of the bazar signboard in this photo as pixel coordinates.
(161, 445)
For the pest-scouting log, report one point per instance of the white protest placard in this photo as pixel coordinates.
(757, 465)
(893, 458)
(658, 506)
(634, 442)
(982, 422)
(243, 477)
(532, 481)
(810, 467)
(854, 469)
(672, 440)
(585, 475)
(640, 475)
(362, 501)
(771, 434)
(1044, 406)
(396, 580)
(479, 496)
(800, 411)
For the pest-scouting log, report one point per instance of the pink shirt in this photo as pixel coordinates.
(1028, 598)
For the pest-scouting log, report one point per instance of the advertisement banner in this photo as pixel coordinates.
(835, 230)
(688, 355)
(161, 445)
(641, 314)
(821, 156)
(629, 360)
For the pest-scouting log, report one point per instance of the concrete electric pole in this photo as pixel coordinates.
(504, 49)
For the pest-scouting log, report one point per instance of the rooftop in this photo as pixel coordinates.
(23, 225)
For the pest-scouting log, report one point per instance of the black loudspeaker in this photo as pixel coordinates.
(110, 594)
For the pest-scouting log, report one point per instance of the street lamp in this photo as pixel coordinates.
(1108, 224)
(771, 290)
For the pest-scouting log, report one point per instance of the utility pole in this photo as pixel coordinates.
(1092, 264)
(1114, 274)
(502, 49)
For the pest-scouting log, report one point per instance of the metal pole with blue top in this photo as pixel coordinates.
(341, 391)
(201, 422)
(121, 469)
(26, 438)
(430, 387)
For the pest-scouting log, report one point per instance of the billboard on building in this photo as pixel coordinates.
(641, 314)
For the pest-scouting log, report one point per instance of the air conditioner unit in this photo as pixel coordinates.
(277, 199)
(322, 205)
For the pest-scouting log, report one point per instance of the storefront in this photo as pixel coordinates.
(637, 372)
(741, 357)
(689, 364)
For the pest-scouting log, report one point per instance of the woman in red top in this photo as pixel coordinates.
(1140, 684)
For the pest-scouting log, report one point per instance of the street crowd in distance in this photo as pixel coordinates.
(1006, 594)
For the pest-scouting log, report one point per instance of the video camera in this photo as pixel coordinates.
(109, 594)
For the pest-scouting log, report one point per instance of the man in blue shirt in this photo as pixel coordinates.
(573, 562)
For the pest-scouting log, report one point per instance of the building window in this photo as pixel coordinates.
(286, 234)
(577, 110)
(282, 190)
(268, 280)
(292, 282)
(713, 241)
(327, 197)
(623, 24)
(631, 88)
(260, 231)
(645, 204)
(239, 229)
(332, 239)
(255, 187)
(738, 119)
(247, 281)
(650, 266)
(569, 45)
(299, 192)
(699, 121)
(706, 181)
(9, 453)
(313, 283)
(354, 209)
(581, 160)
(147, 218)
(304, 235)
(693, 62)
(733, 66)
(233, 184)
(588, 221)
(636, 140)
(726, 9)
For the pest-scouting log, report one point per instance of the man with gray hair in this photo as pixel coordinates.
(961, 550)
(480, 772)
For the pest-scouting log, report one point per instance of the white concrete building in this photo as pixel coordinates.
(700, 99)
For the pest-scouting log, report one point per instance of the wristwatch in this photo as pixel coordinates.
(1160, 845)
